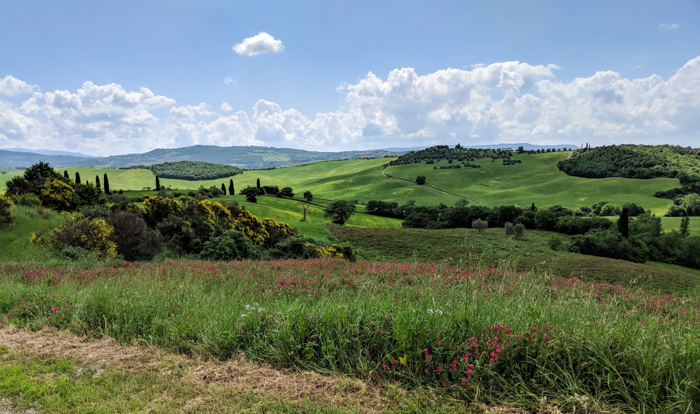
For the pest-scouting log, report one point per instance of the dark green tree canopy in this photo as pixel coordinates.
(308, 196)
(339, 211)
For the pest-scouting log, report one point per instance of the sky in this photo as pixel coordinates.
(108, 78)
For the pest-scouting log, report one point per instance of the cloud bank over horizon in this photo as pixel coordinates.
(496, 103)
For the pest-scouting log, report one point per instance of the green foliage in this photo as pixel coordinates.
(192, 170)
(41, 172)
(460, 154)
(480, 225)
(87, 194)
(624, 222)
(83, 232)
(287, 192)
(685, 226)
(27, 200)
(231, 245)
(339, 211)
(57, 195)
(250, 194)
(308, 196)
(420, 180)
(6, 206)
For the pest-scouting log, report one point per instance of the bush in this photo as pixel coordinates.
(6, 206)
(420, 180)
(510, 229)
(480, 225)
(160, 208)
(287, 192)
(555, 242)
(27, 200)
(99, 211)
(57, 195)
(133, 239)
(519, 231)
(232, 245)
(88, 234)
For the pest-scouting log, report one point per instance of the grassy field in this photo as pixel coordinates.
(14, 239)
(472, 334)
(537, 180)
(466, 247)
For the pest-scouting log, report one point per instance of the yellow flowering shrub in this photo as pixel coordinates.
(223, 215)
(37, 239)
(251, 227)
(137, 209)
(326, 252)
(57, 195)
(159, 208)
(80, 231)
(6, 206)
(277, 231)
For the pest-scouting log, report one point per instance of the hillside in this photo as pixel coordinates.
(536, 180)
(242, 157)
(12, 159)
(632, 161)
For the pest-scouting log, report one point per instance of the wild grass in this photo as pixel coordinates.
(14, 239)
(419, 325)
(467, 247)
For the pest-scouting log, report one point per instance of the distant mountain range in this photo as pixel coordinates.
(243, 157)
(50, 152)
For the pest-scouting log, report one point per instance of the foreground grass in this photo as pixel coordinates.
(475, 335)
(467, 247)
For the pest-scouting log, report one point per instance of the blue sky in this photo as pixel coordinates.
(601, 72)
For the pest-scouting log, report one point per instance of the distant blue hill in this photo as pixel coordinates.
(50, 152)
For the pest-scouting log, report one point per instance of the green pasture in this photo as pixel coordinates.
(537, 180)
(14, 239)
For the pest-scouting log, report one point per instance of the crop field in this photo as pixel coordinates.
(537, 180)
(472, 333)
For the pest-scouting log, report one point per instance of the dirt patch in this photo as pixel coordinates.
(6, 407)
(238, 375)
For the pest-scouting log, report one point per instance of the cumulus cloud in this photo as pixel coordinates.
(500, 102)
(230, 81)
(190, 112)
(12, 86)
(260, 43)
(669, 26)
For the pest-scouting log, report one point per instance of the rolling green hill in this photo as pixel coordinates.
(537, 180)
(243, 157)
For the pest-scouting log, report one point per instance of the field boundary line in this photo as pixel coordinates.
(429, 186)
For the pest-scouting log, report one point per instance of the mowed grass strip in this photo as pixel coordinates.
(537, 180)
(467, 247)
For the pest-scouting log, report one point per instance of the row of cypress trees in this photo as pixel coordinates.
(97, 181)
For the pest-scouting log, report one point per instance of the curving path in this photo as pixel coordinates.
(472, 201)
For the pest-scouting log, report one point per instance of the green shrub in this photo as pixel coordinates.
(480, 225)
(27, 200)
(133, 239)
(232, 245)
(6, 206)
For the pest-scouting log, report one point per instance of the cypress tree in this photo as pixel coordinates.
(223, 189)
(157, 183)
(533, 208)
(230, 188)
(624, 222)
(106, 184)
(685, 224)
(77, 177)
(65, 173)
(258, 183)
(97, 181)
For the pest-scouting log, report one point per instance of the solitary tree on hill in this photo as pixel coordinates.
(258, 183)
(77, 177)
(533, 208)
(339, 211)
(685, 224)
(230, 187)
(223, 189)
(304, 207)
(106, 184)
(97, 182)
(157, 183)
(308, 196)
(65, 173)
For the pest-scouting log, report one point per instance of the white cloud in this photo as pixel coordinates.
(501, 102)
(190, 112)
(230, 81)
(669, 26)
(260, 43)
(12, 86)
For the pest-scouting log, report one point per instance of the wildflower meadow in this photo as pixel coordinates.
(480, 334)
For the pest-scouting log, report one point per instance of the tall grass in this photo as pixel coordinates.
(479, 334)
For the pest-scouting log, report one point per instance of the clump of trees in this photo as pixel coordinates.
(632, 161)
(191, 170)
(339, 211)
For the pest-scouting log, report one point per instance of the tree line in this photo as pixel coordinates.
(191, 170)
